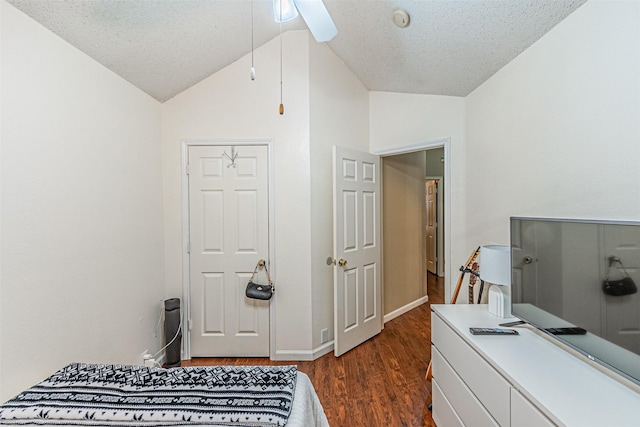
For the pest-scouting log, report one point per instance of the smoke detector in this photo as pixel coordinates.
(400, 18)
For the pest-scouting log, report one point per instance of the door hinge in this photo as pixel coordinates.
(189, 325)
(187, 169)
(189, 247)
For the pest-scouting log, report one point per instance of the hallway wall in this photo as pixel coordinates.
(403, 215)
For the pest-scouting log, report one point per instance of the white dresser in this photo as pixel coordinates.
(521, 380)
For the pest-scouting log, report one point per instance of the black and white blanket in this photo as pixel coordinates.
(122, 395)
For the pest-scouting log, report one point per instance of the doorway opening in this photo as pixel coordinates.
(409, 254)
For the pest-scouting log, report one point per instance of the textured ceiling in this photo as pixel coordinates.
(165, 46)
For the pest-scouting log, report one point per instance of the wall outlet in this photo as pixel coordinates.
(324, 336)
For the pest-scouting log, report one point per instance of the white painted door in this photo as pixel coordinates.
(431, 188)
(524, 257)
(622, 314)
(356, 226)
(228, 231)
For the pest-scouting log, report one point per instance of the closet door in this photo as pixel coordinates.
(229, 234)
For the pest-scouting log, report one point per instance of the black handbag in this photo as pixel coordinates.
(621, 287)
(257, 290)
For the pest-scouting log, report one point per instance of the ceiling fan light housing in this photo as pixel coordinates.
(288, 9)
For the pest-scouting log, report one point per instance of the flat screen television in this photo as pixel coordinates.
(563, 271)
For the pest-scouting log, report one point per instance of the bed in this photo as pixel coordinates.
(127, 395)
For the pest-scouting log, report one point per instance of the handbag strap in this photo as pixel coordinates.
(262, 263)
(613, 259)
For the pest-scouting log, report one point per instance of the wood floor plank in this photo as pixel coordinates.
(379, 383)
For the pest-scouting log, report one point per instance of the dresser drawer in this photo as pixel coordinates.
(524, 414)
(463, 401)
(489, 387)
(443, 414)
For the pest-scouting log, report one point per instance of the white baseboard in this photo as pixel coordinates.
(402, 310)
(307, 355)
(304, 355)
(323, 349)
(293, 355)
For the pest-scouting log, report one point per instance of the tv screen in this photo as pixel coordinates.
(581, 273)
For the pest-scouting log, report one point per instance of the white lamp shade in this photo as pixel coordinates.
(495, 264)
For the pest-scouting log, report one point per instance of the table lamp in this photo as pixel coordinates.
(495, 268)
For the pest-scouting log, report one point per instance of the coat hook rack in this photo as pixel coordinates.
(231, 157)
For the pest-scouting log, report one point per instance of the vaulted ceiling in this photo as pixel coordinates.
(165, 46)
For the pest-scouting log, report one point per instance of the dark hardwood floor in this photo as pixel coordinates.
(379, 383)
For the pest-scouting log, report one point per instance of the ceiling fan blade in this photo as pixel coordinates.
(318, 20)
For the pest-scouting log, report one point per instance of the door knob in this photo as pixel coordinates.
(332, 261)
(527, 260)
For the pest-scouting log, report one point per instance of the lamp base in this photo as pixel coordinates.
(499, 302)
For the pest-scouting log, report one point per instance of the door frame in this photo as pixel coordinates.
(186, 283)
(444, 143)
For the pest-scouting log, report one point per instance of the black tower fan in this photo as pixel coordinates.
(172, 332)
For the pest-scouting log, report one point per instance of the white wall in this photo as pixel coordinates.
(556, 132)
(339, 111)
(398, 120)
(325, 105)
(404, 219)
(82, 248)
(229, 106)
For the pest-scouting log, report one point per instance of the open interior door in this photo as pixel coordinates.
(356, 240)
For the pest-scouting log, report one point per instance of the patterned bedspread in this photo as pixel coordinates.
(122, 395)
